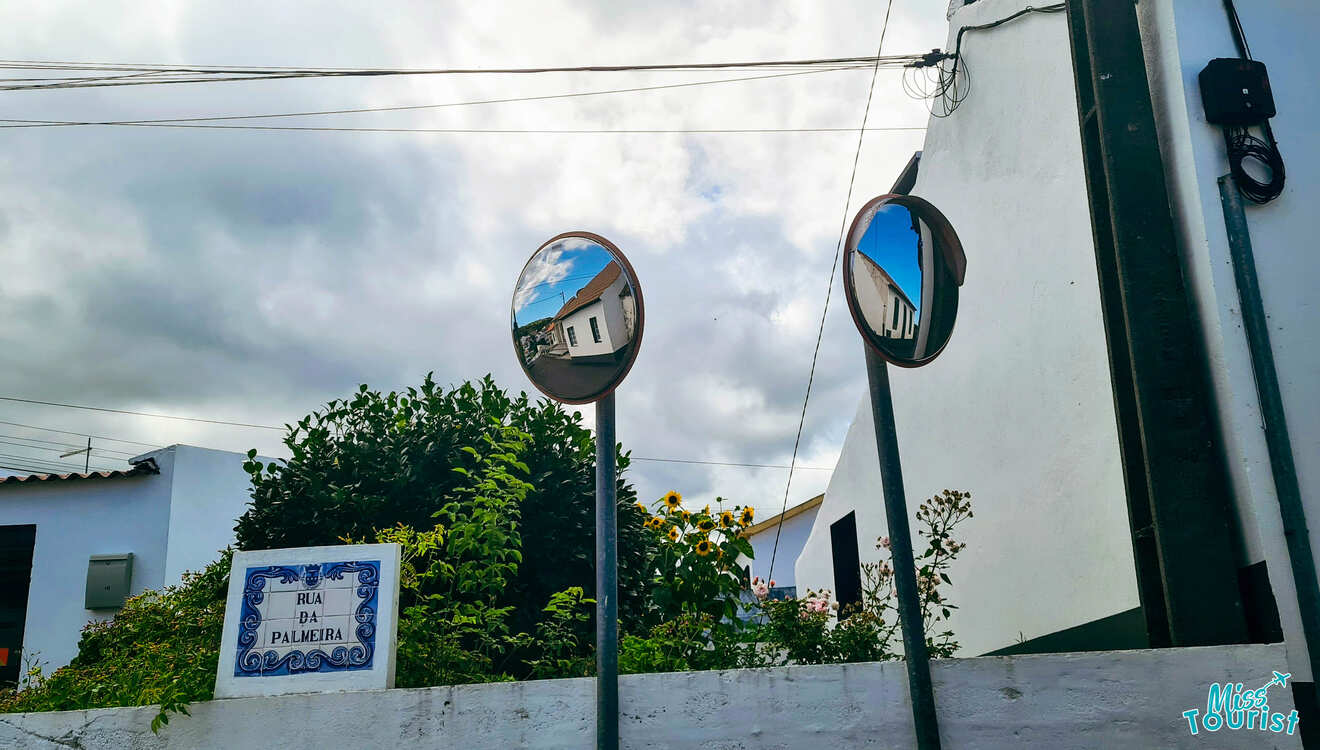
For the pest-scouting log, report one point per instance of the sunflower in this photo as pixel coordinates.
(673, 533)
(704, 547)
(686, 515)
(726, 519)
(655, 522)
(673, 500)
(640, 507)
(706, 524)
(747, 514)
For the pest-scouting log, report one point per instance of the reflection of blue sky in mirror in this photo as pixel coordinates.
(891, 242)
(554, 276)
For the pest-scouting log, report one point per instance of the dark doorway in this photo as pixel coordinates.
(16, 544)
(847, 565)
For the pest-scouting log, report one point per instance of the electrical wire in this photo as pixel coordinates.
(838, 246)
(164, 74)
(81, 434)
(943, 80)
(139, 413)
(509, 131)
(271, 427)
(414, 107)
(730, 463)
(1242, 146)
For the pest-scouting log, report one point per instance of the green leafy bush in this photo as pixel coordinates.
(376, 460)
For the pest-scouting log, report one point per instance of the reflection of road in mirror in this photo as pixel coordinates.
(575, 318)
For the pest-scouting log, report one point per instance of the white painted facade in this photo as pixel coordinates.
(172, 522)
(1018, 409)
(881, 301)
(792, 538)
(609, 333)
(1116, 699)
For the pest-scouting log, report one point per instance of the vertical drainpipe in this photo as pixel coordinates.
(1277, 440)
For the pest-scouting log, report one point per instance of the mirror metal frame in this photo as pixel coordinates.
(955, 261)
(633, 282)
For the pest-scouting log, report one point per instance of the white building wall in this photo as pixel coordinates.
(172, 522)
(74, 520)
(1018, 409)
(210, 491)
(1180, 37)
(791, 541)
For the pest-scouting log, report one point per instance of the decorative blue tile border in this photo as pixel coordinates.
(253, 662)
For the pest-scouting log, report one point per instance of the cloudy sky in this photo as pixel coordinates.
(253, 275)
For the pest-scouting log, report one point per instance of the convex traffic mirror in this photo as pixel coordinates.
(577, 317)
(901, 272)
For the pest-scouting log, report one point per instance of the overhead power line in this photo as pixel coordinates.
(499, 131)
(729, 463)
(838, 247)
(139, 413)
(157, 74)
(81, 434)
(444, 105)
(272, 427)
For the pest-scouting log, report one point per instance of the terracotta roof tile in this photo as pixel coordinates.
(592, 291)
(145, 466)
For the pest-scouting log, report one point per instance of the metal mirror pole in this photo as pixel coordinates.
(607, 582)
(900, 539)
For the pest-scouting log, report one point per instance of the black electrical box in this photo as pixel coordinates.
(1236, 92)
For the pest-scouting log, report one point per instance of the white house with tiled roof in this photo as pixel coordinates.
(172, 510)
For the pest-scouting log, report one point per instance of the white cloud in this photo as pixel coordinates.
(255, 275)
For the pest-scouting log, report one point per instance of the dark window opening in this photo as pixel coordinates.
(595, 330)
(16, 543)
(572, 337)
(847, 565)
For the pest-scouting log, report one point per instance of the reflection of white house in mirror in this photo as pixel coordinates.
(885, 307)
(597, 321)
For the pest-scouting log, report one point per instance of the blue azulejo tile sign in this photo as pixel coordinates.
(310, 619)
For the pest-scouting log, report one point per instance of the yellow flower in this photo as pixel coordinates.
(673, 533)
(726, 519)
(640, 507)
(704, 547)
(673, 499)
(705, 524)
(654, 522)
(747, 515)
(686, 515)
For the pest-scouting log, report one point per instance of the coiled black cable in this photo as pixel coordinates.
(1242, 145)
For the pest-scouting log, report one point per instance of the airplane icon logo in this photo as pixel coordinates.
(1280, 679)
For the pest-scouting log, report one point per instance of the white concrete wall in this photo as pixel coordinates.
(77, 519)
(1122, 699)
(791, 541)
(210, 491)
(1018, 408)
(1180, 37)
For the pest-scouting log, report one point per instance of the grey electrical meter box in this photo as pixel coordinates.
(109, 578)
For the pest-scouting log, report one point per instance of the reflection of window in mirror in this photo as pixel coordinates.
(595, 330)
(572, 337)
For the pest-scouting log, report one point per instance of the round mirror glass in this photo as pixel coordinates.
(902, 269)
(577, 317)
